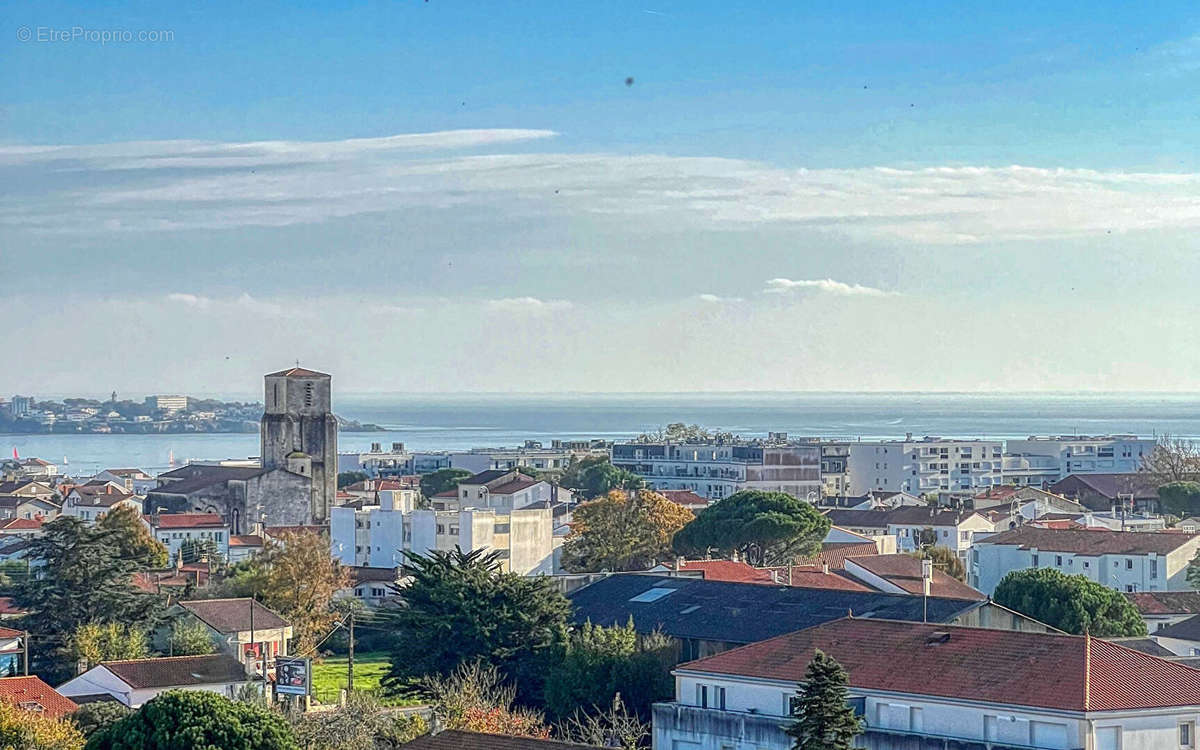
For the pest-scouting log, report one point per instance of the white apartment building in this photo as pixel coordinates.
(925, 686)
(835, 469)
(378, 462)
(718, 470)
(168, 403)
(376, 536)
(1121, 560)
(1083, 454)
(934, 466)
(532, 455)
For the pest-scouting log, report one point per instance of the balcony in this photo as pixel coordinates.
(714, 728)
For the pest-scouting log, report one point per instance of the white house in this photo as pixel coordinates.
(88, 505)
(173, 529)
(377, 535)
(913, 527)
(131, 683)
(500, 490)
(134, 481)
(1125, 561)
(242, 628)
(926, 686)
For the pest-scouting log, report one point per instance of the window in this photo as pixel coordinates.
(1035, 561)
(375, 591)
(1058, 560)
(1129, 564)
(1187, 731)
(1154, 568)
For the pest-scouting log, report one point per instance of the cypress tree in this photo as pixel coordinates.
(824, 719)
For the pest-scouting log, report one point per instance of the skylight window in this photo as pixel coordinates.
(652, 595)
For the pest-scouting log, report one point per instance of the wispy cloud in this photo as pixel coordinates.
(714, 299)
(187, 185)
(527, 305)
(243, 304)
(828, 286)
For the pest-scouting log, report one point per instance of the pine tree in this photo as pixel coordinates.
(824, 719)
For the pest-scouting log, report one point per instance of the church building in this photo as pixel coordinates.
(296, 481)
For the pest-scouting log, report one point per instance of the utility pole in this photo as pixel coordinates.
(25, 655)
(350, 661)
(253, 652)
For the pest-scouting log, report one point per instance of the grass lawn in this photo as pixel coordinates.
(369, 668)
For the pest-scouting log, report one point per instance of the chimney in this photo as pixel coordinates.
(825, 568)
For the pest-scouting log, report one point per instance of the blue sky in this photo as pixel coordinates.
(785, 197)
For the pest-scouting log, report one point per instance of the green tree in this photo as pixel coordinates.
(623, 531)
(459, 607)
(84, 580)
(190, 638)
(93, 717)
(1180, 498)
(92, 644)
(594, 476)
(601, 663)
(945, 560)
(475, 697)
(1074, 603)
(441, 480)
(765, 528)
(196, 719)
(133, 537)
(347, 478)
(824, 719)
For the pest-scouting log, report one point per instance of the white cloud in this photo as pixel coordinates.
(715, 299)
(243, 304)
(185, 185)
(829, 286)
(527, 305)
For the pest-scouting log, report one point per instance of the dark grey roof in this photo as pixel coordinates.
(907, 515)
(484, 477)
(233, 615)
(740, 612)
(1145, 645)
(174, 671)
(1185, 630)
(200, 477)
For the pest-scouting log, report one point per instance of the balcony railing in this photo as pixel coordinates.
(677, 721)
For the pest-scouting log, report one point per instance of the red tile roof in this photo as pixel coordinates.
(728, 570)
(815, 577)
(1090, 541)
(1065, 672)
(174, 671)
(905, 571)
(834, 554)
(21, 691)
(686, 498)
(21, 524)
(297, 372)
(185, 520)
(1166, 602)
(515, 485)
(8, 608)
(10, 633)
(245, 540)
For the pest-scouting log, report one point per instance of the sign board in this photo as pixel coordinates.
(293, 676)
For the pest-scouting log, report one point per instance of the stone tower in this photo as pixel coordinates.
(299, 433)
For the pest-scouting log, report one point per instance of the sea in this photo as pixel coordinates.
(460, 422)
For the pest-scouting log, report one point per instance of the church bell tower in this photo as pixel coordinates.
(299, 433)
